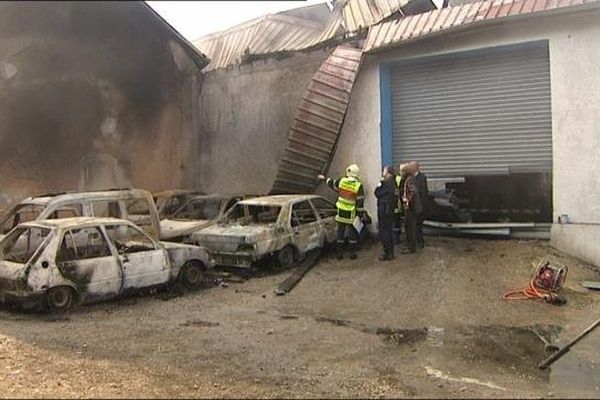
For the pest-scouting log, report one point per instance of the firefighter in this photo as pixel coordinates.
(350, 205)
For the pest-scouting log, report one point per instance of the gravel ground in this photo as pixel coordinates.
(431, 324)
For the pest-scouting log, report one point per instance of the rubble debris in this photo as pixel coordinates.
(440, 375)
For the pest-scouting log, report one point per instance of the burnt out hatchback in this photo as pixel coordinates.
(283, 226)
(62, 262)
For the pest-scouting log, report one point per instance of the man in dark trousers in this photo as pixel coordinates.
(386, 202)
(412, 208)
(398, 210)
(421, 183)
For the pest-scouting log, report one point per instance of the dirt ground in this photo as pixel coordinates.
(431, 324)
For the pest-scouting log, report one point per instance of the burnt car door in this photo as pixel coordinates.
(327, 212)
(85, 258)
(144, 263)
(307, 233)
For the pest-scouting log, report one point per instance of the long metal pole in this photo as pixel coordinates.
(548, 361)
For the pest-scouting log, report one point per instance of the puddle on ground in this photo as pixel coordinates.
(518, 349)
(577, 373)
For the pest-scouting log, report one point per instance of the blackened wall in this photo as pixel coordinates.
(92, 95)
(245, 113)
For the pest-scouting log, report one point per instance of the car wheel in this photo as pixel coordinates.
(192, 275)
(285, 257)
(60, 299)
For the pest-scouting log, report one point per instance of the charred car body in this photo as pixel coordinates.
(169, 201)
(285, 226)
(64, 261)
(135, 205)
(196, 213)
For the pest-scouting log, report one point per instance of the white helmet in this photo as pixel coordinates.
(352, 171)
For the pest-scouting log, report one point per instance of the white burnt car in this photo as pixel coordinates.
(196, 213)
(64, 261)
(285, 226)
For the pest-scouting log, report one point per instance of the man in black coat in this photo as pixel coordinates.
(386, 202)
(413, 207)
(421, 183)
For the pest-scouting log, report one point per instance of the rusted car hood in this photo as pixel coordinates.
(222, 237)
(170, 228)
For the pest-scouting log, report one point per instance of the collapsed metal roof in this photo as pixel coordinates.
(274, 33)
(269, 34)
(396, 32)
(360, 14)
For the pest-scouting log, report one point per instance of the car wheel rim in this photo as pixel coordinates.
(193, 274)
(60, 298)
(286, 257)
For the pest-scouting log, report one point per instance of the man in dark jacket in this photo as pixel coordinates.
(421, 183)
(386, 202)
(413, 207)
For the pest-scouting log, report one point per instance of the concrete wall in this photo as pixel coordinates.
(245, 114)
(91, 96)
(575, 79)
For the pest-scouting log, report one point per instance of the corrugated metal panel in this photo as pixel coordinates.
(268, 34)
(474, 113)
(359, 14)
(395, 32)
(316, 126)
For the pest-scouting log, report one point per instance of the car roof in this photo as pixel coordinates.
(279, 199)
(95, 195)
(75, 222)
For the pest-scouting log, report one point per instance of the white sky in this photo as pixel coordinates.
(194, 19)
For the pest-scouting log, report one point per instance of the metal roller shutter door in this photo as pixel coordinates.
(484, 112)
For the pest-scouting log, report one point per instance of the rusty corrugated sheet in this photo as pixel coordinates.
(360, 14)
(317, 123)
(395, 32)
(268, 34)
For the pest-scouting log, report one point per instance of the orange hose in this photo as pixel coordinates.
(530, 292)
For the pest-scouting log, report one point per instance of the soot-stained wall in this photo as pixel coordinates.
(245, 116)
(92, 95)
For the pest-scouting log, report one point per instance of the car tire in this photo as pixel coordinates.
(285, 257)
(60, 298)
(192, 275)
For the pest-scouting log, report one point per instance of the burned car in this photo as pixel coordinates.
(169, 201)
(284, 226)
(196, 213)
(135, 205)
(64, 261)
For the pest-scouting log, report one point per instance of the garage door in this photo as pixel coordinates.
(484, 112)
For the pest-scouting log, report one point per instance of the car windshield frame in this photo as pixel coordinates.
(249, 218)
(183, 208)
(17, 209)
(14, 235)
